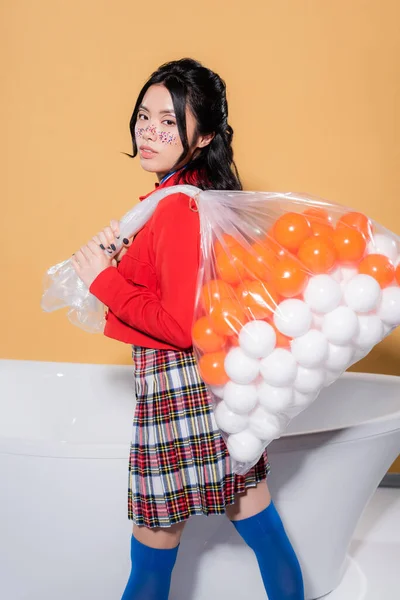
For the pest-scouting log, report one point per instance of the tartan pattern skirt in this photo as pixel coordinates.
(179, 465)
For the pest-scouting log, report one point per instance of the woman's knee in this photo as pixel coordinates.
(252, 502)
(162, 538)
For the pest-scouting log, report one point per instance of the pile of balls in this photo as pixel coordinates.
(286, 315)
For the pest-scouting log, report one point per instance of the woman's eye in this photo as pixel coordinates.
(142, 117)
(169, 122)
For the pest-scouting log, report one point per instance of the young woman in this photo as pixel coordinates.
(179, 465)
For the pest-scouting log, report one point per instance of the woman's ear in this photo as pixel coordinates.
(205, 140)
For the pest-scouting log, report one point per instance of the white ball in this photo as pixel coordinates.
(311, 349)
(293, 411)
(370, 331)
(274, 399)
(336, 274)
(348, 273)
(360, 353)
(323, 294)
(362, 293)
(293, 317)
(302, 401)
(218, 391)
(257, 339)
(383, 244)
(229, 421)
(339, 357)
(389, 309)
(317, 321)
(240, 398)
(264, 425)
(331, 377)
(244, 446)
(279, 368)
(340, 326)
(309, 381)
(241, 368)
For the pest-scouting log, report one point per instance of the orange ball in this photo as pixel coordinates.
(322, 228)
(234, 340)
(273, 245)
(398, 274)
(230, 265)
(319, 220)
(260, 260)
(350, 245)
(214, 291)
(212, 369)
(227, 317)
(358, 221)
(379, 267)
(259, 298)
(205, 338)
(289, 277)
(316, 213)
(224, 243)
(317, 254)
(291, 229)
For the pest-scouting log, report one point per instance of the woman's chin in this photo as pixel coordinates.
(149, 165)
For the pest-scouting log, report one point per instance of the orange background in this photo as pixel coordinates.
(313, 91)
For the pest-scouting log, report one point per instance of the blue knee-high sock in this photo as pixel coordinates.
(150, 577)
(280, 569)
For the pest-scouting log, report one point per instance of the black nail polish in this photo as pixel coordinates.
(113, 247)
(102, 247)
(109, 250)
(125, 241)
(118, 236)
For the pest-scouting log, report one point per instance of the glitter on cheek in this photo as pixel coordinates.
(165, 137)
(139, 131)
(152, 130)
(168, 138)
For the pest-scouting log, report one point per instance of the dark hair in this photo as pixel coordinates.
(204, 91)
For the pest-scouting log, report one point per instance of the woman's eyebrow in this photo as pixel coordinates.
(162, 112)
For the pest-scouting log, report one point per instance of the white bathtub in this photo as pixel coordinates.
(64, 443)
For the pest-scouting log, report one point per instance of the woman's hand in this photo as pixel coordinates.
(114, 230)
(92, 259)
(107, 238)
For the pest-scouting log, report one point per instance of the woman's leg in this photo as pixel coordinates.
(153, 554)
(255, 518)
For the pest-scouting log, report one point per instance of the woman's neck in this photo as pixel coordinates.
(164, 177)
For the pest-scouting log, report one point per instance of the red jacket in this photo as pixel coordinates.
(151, 294)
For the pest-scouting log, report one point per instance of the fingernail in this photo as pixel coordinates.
(118, 236)
(125, 241)
(102, 247)
(113, 247)
(109, 250)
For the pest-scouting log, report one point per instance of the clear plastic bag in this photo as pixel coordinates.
(292, 291)
(64, 289)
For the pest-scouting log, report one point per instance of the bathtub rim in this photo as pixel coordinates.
(385, 424)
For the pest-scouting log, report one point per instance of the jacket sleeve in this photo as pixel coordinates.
(166, 316)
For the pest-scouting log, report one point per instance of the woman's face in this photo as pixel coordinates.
(156, 133)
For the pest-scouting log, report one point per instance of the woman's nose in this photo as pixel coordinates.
(150, 132)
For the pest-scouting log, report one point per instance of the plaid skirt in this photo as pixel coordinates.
(179, 465)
